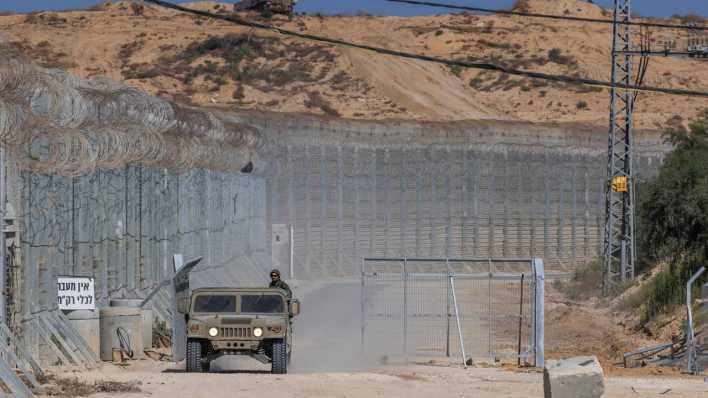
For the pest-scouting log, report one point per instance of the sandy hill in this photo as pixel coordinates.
(207, 62)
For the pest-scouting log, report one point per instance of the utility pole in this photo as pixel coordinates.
(619, 244)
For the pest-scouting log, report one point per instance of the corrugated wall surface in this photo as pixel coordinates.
(472, 189)
(122, 227)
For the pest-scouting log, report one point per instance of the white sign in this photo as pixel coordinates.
(76, 293)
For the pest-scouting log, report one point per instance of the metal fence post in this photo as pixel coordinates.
(447, 311)
(451, 275)
(405, 309)
(363, 304)
(538, 314)
(690, 342)
(490, 310)
(292, 252)
(521, 319)
(3, 266)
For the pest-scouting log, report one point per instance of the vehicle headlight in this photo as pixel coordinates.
(258, 332)
(213, 332)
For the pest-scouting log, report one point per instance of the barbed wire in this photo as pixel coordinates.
(70, 126)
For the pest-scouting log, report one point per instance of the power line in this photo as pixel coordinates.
(442, 61)
(547, 16)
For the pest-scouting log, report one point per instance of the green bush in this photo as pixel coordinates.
(456, 70)
(672, 221)
(555, 54)
(266, 13)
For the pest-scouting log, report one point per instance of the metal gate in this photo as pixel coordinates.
(472, 308)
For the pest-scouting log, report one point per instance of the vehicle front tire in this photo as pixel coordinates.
(279, 363)
(194, 357)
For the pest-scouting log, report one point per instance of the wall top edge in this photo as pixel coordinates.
(299, 118)
(306, 129)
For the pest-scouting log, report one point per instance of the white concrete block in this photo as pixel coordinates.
(578, 377)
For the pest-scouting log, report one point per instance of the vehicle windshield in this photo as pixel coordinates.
(262, 304)
(215, 303)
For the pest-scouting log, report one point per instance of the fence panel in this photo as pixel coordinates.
(408, 308)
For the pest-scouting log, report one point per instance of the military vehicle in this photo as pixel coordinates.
(274, 6)
(232, 321)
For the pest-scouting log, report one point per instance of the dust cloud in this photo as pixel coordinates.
(328, 330)
(327, 333)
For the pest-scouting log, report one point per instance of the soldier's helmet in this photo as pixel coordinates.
(275, 272)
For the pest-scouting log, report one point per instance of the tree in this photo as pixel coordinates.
(673, 216)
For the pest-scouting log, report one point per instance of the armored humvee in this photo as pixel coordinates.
(229, 321)
(275, 6)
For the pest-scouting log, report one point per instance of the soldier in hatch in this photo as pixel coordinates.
(277, 283)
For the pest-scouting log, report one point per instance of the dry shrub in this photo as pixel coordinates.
(521, 6)
(73, 387)
(489, 28)
(241, 60)
(43, 55)
(675, 123)
(586, 282)
(138, 9)
(102, 6)
(556, 55)
(315, 100)
(690, 19)
(49, 19)
(128, 49)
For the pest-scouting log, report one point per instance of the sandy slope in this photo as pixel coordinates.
(114, 42)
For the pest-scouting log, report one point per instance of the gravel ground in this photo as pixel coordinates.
(327, 363)
(416, 381)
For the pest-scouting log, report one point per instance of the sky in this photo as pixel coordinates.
(661, 8)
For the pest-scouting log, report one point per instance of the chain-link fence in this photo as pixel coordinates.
(478, 308)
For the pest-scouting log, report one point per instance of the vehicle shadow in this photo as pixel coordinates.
(256, 372)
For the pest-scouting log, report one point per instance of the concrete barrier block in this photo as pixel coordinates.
(578, 377)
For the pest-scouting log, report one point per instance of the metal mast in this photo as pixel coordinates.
(620, 255)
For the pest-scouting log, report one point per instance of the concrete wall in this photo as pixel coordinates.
(353, 189)
(350, 188)
(122, 227)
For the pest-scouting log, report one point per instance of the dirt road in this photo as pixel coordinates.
(327, 334)
(326, 363)
(417, 381)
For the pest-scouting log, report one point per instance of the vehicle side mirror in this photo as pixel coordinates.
(294, 307)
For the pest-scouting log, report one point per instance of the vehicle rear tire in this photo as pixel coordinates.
(194, 357)
(279, 363)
